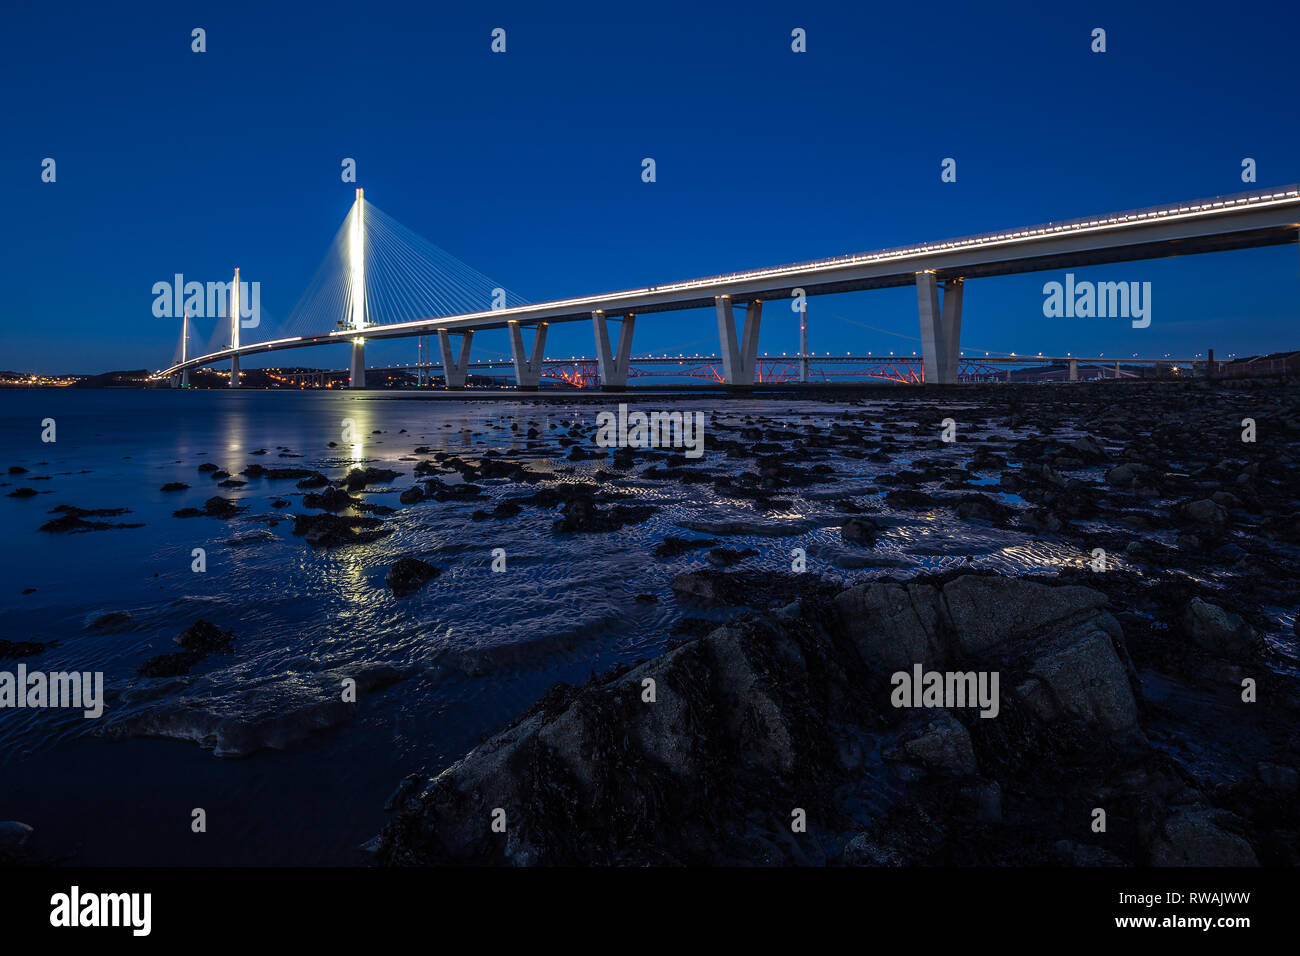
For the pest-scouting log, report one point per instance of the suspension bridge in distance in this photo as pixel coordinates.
(442, 293)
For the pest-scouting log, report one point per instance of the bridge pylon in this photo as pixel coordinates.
(234, 329)
(357, 272)
(183, 380)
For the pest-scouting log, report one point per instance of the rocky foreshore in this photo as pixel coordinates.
(709, 753)
(1122, 559)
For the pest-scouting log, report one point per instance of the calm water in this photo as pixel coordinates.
(477, 648)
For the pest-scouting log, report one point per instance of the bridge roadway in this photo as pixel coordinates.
(939, 271)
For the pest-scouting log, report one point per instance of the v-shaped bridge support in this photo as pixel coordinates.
(738, 361)
(528, 367)
(454, 372)
(613, 368)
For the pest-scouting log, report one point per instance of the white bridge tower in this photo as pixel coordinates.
(357, 267)
(234, 329)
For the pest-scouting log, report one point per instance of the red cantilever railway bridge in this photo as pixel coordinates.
(909, 370)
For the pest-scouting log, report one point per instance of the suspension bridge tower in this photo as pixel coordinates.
(185, 348)
(357, 269)
(234, 329)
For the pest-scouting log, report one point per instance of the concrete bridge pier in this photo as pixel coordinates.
(803, 341)
(940, 327)
(528, 369)
(453, 371)
(234, 329)
(613, 368)
(1074, 370)
(357, 367)
(739, 362)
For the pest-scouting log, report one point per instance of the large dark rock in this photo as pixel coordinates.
(198, 641)
(860, 531)
(73, 520)
(700, 755)
(279, 474)
(1220, 632)
(330, 530)
(409, 575)
(359, 478)
(1207, 515)
(1197, 837)
(331, 499)
(205, 638)
(581, 514)
(673, 547)
(9, 649)
(15, 837)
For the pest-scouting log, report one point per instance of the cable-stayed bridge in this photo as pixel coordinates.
(381, 281)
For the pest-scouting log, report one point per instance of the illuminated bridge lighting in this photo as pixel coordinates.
(1021, 246)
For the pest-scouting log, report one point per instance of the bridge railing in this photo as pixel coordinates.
(1230, 201)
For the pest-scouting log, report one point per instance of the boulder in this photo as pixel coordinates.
(892, 626)
(14, 837)
(860, 531)
(331, 499)
(986, 610)
(939, 742)
(1220, 632)
(1206, 514)
(409, 575)
(1196, 837)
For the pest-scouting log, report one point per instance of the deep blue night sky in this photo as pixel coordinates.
(527, 165)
